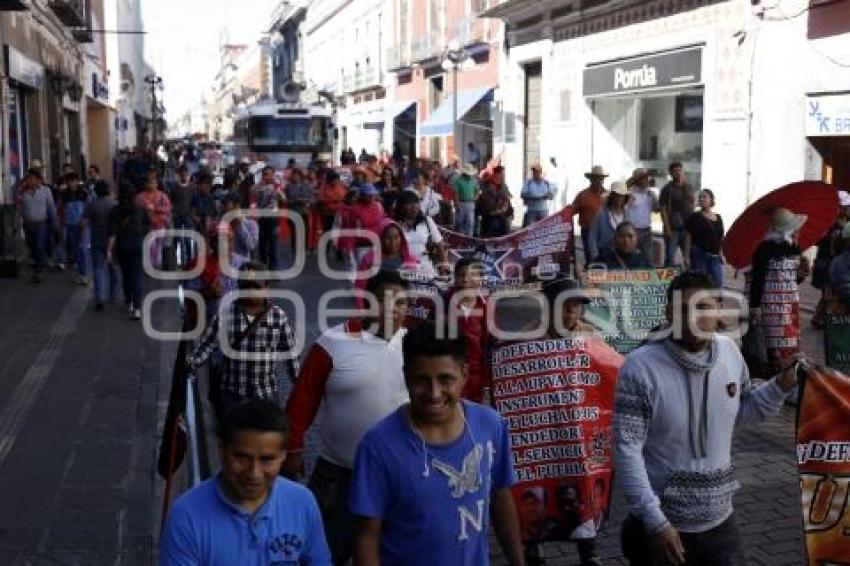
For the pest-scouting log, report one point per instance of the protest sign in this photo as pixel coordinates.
(780, 309)
(557, 397)
(627, 304)
(539, 251)
(823, 457)
(837, 341)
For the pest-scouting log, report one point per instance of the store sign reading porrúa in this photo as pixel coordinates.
(627, 79)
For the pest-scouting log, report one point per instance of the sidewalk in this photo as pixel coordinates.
(78, 396)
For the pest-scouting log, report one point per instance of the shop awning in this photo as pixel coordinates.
(402, 106)
(441, 123)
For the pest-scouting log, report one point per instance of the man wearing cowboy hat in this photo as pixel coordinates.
(535, 194)
(466, 191)
(639, 209)
(588, 202)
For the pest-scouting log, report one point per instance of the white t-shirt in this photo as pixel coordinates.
(640, 208)
(430, 203)
(419, 236)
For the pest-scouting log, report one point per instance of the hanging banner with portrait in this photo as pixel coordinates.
(557, 397)
(823, 457)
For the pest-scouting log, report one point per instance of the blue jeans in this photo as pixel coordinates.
(465, 221)
(671, 246)
(36, 235)
(707, 263)
(75, 239)
(532, 216)
(99, 272)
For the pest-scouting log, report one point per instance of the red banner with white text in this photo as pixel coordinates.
(557, 397)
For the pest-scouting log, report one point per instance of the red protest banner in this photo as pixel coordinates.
(823, 457)
(538, 251)
(557, 397)
(780, 310)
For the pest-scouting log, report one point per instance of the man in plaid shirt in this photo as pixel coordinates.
(260, 335)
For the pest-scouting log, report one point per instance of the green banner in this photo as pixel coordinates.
(626, 305)
(837, 341)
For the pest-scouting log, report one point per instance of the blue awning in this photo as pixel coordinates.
(441, 123)
(402, 107)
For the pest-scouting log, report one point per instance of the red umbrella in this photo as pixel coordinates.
(817, 200)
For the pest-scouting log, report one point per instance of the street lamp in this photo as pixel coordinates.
(455, 58)
(155, 82)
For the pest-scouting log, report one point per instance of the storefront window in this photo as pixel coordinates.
(17, 136)
(650, 132)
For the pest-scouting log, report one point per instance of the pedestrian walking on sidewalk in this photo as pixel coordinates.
(677, 202)
(37, 210)
(641, 205)
(76, 198)
(587, 204)
(246, 513)
(703, 240)
(157, 205)
(678, 400)
(259, 334)
(536, 194)
(128, 224)
(97, 216)
(431, 476)
(354, 370)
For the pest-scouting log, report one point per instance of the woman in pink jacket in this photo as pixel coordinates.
(157, 205)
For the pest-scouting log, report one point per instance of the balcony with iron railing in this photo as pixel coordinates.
(361, 79)
(472, 31)
(398, 57)
(427, 46)
(72, 13)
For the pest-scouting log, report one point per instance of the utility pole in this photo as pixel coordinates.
(155, 81)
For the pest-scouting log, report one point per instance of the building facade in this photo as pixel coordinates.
(426, 81)
(722, 87)
(344, 50)
(131, 99)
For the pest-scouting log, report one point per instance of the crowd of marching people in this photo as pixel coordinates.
(415, 466)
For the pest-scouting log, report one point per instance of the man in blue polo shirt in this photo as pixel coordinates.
(430, 477)
(247, 515)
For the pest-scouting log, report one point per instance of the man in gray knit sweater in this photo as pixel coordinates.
(678, 401)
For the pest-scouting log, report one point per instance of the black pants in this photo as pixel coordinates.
(330, 484)
(268, 241)
(720, 546)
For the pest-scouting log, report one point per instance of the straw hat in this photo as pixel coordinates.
(619, 188)
(536, 167)
(637, 175)
(843, 198)
(786, 221)
(469, 169)
(596, 171)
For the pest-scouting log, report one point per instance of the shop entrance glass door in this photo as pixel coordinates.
(17, 136)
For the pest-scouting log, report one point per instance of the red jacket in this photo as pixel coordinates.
(479, 344)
